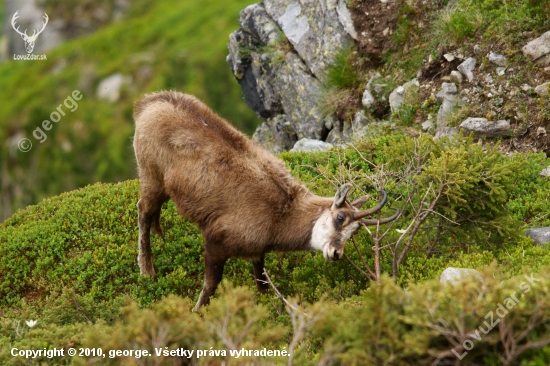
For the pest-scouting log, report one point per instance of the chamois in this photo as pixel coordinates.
(242, 197)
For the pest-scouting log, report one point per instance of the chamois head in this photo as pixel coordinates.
(338, 223)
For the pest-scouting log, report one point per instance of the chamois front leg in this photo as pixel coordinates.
(148, 214)
(213, 273)
(259, 277)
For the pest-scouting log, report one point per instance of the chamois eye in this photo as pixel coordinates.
(340, 217)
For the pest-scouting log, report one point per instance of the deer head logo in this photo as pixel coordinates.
(29, 40)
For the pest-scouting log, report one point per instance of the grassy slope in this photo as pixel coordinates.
(161, 45)
(70, 261)
(85, 241)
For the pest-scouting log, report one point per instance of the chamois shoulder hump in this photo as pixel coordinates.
(176, 99)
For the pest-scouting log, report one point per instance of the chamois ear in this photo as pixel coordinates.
(341, 195)
(360, 202)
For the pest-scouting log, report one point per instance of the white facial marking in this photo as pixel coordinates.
(348, 231)
(322, 231)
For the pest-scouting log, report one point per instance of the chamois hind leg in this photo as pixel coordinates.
(259, 276)
(212, 277)
(149, 207)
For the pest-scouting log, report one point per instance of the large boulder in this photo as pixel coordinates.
(539, 49)
(483, 127)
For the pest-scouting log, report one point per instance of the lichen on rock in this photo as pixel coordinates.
(280, 57)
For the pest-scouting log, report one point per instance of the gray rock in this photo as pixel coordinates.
(448, 96)
(313, 28)
(368, 99)
(298, 91)
(344, 17)
(539, 49)
(359, 126)
(501, 71)
(257, 29)
(481, 126)
(310, 145)
(448, 88)
(545, 172)
(455, 276)
(541, 236)
(397, 96)
(449, 132)
(251, 68)
(255, 21)
(467, 67)
(498, 60)
(543, 90)
(426, 125)
(109, 88)
(276, 134)
(336, 135)
(286, 87)
(346, 132)
(449, 57)
(456, 77)
(293, 22)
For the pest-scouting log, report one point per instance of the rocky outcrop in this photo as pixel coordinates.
(313, 28)
(346, 132)
(280, 56)
(276, 134)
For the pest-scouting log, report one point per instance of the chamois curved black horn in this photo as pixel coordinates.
(382, 221)
(360, 214)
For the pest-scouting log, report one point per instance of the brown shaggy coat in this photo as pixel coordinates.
(242, 197)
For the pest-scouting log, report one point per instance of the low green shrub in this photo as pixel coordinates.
(70, 261)
(500, 320)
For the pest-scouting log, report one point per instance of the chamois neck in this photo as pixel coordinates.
(297, 225)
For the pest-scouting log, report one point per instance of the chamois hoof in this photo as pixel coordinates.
(150, 272)
(147, 270)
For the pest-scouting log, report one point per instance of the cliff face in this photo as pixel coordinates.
(280, 57)
(320, 70)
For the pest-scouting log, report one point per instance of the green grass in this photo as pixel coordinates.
(70, 263)
(85, 241)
